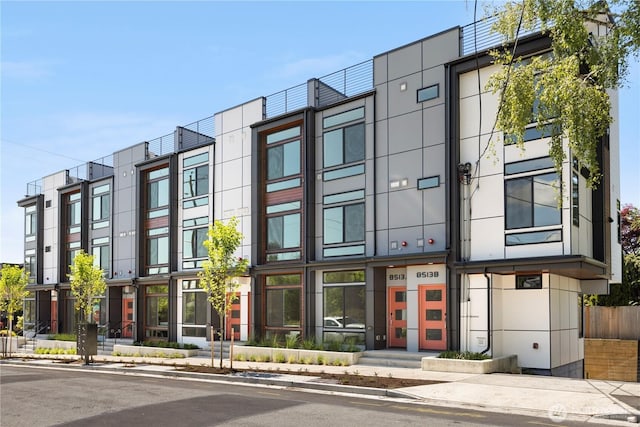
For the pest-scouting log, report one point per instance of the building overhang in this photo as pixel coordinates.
(386, 261)
(574, 266)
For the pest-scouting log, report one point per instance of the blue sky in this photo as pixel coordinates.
(81, 80)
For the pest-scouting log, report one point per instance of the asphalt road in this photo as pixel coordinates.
(34, 396)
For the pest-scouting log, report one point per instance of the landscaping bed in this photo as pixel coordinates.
(333, 378)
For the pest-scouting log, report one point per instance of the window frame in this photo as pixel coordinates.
(345, 246)
(345, 282)
(157, 235)
(428, 89)
(275, 288)
(200, 181)
(277, 141)
(344, 144)
(192, 288)
(529, 174)
(101, 245)
(521, 280)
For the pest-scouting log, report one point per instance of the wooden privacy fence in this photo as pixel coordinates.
(612, 322)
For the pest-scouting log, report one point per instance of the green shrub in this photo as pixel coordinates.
(321, 360)
(166, 344)
(310, 344)
(63, 337)
(351, 345)
(464, 355)
(279, 358)
(292, 359)
(275, 341)
(291, 341)
(3, 333)
(333, 345)
(252, 341)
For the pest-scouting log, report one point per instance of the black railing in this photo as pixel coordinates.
(329, 89)
(120, 329)
(479, 36)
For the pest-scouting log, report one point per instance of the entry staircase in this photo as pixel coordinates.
(394, 358)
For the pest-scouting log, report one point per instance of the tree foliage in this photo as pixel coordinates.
(566, 88)
(87, 284)
(627, 292)
(221, 268)
(13, 290)
(630, 230)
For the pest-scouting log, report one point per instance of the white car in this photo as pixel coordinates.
(341, 322)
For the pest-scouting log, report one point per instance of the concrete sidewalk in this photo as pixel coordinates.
(556, 399)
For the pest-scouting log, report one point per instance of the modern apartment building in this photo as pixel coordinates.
(369, 210)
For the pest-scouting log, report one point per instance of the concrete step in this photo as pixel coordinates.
(394, 358)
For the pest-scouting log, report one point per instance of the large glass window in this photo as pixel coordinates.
(283, 232)
(30, 264)
(344, 305)
(158, 188)
(158, 250)
(100, 203)
(72, 250)
(344, 224)
(196, 182)
(531, 192)
(193, 243)
(344, 145)
(101, 254)
(531, 201)
(156, 311)
(194, 309)
(29, 311)
(74, 213)
(283, 159)
(283, 301)
(30, 221)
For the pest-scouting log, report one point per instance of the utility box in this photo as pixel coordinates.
(87, 339)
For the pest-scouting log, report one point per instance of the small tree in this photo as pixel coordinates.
(87, 284)
(220, 269)
(13, 283)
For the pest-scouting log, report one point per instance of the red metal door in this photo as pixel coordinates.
(397, 331)
(127, 318)
(233, 321)
(433, 317)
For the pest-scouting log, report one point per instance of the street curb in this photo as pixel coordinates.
(172, 372)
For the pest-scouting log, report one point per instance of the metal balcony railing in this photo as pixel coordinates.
(325, 90)
(479, 36)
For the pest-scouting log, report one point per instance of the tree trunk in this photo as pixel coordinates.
(213, 339)
(231, 351)
(9, 332)
(221, 337)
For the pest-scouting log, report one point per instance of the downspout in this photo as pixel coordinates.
(489, 314)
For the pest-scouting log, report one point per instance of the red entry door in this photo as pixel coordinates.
(233, 320)
(397, 331)
(433, 317)
(127, 325)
